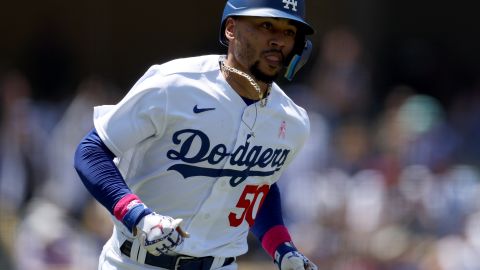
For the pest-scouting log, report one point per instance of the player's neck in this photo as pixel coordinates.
(241, 80)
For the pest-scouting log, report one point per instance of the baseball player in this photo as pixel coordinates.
(187, 161)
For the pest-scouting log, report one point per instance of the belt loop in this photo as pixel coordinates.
(142, 254)
(217, 262)
(134, 250)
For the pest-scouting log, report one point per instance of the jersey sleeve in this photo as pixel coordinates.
(137, 117)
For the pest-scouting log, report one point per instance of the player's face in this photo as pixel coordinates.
(262, 44)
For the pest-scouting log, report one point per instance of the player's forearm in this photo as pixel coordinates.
(94, 164)
(269, 227)
(274, 236)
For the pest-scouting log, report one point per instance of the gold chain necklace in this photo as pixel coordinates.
(263, 101)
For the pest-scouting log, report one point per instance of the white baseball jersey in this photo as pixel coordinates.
(189, 147)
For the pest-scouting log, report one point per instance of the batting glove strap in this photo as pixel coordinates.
(283, 249)
(287, 257)
(134, 215)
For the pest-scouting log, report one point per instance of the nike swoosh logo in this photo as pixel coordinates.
(200, 110)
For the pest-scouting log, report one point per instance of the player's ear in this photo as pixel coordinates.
(230, 29)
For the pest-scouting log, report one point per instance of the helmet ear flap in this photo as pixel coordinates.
(299, 58)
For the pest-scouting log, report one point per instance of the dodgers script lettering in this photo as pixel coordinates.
(246, 157)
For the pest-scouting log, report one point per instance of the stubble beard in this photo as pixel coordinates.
(260, 75)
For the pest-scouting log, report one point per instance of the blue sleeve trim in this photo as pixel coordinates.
(93, 162)
(270, 214)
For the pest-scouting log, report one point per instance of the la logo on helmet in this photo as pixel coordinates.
(290, 2)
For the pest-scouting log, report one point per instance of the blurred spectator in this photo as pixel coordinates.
(75, 122)
(351, 144)
(341, 81)
(21, 153)
(391, 195)
(62, 202)
(49, 239)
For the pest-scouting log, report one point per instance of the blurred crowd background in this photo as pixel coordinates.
(389, 179)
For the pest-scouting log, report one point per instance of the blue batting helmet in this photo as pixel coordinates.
(286, 9)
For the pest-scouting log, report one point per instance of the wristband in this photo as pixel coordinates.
(130, 210)
(275, 237)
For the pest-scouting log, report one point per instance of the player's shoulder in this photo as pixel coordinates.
(188, 65)
(293, 113)
(287, 103)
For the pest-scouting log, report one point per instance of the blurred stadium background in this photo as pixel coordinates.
(389, 179)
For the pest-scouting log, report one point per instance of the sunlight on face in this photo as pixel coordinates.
(263, 44)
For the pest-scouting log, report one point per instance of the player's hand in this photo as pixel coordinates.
(160, 234)
(287, 257)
